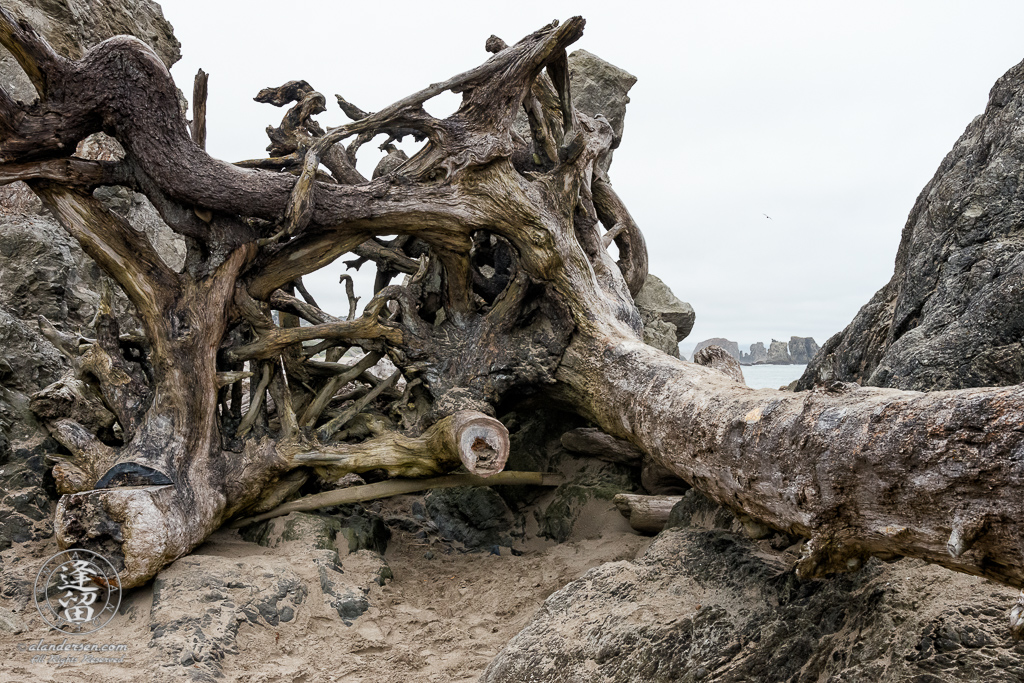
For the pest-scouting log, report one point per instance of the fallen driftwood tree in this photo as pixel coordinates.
(508, 292)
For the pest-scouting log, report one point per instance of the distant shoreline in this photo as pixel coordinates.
(754, 365)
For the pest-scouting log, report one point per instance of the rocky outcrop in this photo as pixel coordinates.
(798, 351)
(952, 315)
(718, 358)
(730, 347)
(778, 353)
(599, 87)
(43, 271)
(757, 354)
(706, 604)
(802, 349)
(667, 320)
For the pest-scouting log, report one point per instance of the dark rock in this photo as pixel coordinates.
(365, 530)
(43, 271)
(595, 481)
(696, 510)
(477, 516)
(27, 492)
(730, 347)
(535, 445)
(951, 316)
(31, 362)
(718, 358)
(347, 601)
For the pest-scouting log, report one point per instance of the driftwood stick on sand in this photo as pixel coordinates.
(397, 487)
(646, 514)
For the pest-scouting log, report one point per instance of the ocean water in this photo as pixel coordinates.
(771, 376)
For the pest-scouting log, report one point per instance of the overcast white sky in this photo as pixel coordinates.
(829, 117)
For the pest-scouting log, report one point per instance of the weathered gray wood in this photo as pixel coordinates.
(512, 294)
(398, 487)
(595, 443)
(198, 127)
(646, 514)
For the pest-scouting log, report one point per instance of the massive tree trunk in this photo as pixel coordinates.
(859, 471)
(508, 291)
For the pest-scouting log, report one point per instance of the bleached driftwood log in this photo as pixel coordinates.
(509, 291)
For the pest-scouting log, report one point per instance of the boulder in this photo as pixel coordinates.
(599, 87)
(952, 315)
(730, 347)
(662, 336)
(667, 320)
(475, 516)
(718, 358)
(28, 361)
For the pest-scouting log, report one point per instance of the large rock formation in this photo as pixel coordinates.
(599, 87)
(667, 320)
(798, 351)
(730, 347)
(718, 358)
(757, 354)
(802, 349)
(778, 353)
(952, 315)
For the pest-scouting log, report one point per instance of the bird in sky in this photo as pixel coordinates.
(768, 217)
